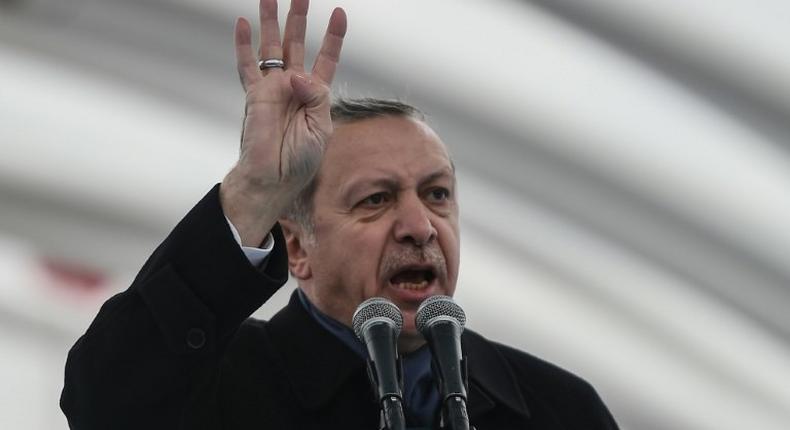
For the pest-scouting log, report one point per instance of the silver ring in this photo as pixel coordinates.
(271, 63)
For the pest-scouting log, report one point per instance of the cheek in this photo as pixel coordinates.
(451, 247)
(366, 248)
(350, 259)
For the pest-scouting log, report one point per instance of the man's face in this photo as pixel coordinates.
(386, 219)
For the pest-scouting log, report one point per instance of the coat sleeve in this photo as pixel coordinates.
(153, 351)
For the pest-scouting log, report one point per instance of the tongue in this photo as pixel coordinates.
(410, 276)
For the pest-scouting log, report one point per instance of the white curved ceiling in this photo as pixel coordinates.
(623, 170)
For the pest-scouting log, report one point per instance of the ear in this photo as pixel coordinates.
(298, 259)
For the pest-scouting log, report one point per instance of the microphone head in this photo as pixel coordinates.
(376, 309)
(437, 308)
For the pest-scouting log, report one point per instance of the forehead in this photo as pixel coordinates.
(396, 146)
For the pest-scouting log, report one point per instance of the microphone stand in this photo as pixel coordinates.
(391, 411)
(392, 416)
(454, 414)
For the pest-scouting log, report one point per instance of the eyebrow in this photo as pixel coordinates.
(392, 184)
(352, 190)
(444, 172)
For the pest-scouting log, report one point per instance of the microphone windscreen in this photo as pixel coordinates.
(438, 307)
(376, 309)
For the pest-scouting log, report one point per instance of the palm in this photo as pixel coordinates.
(297, 133)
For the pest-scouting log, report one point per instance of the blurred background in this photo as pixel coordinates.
(623, 167)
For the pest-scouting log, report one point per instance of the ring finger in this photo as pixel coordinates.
(293, 43)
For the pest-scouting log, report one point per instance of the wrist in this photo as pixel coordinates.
(253, 208)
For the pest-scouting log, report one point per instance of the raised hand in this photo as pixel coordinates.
(286, 122)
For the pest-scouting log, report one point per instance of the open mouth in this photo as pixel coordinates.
(413, 278)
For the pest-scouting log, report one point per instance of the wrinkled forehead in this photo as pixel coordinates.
(386, 145)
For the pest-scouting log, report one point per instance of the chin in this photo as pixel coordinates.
(409, 328)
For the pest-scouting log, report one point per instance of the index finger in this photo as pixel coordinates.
(245, 58)
(328, 57)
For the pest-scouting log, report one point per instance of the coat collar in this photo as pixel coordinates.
(317, 364)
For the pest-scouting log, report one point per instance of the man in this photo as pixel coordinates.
(355, 201)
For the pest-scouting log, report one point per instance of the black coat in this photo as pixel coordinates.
(178, 351)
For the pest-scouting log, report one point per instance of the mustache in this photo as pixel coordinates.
(430, 254)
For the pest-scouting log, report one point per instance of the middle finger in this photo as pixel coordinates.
(270, 31)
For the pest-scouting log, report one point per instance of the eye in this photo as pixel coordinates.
(439, 194)
(375, 200)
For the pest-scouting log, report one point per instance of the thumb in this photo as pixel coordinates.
(308, 91)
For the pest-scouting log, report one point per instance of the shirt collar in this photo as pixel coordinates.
(338, 329)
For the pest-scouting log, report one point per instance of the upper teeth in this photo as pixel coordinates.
(413, 285)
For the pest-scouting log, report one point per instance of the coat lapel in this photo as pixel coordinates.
(316, 362)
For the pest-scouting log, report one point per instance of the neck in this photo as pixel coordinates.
(409, 343)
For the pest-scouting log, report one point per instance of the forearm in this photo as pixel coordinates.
(160, 342)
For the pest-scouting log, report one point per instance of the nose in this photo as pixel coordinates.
(413, 222)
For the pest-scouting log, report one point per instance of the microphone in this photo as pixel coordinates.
(441, 321)
(377, 323)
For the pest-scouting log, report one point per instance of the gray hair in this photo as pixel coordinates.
(345, 111)
(350, 110)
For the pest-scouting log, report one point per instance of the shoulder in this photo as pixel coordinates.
(527, 367)
(547, 385)
(250, 354)
(539, 372)
(249, 344)
(251, 332)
